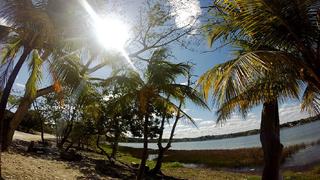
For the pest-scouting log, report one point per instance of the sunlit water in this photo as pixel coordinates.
(289, 136)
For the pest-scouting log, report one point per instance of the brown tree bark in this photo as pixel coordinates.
(21, 112)
(142, 167)
(115, 141)
(270, 140)
(4, 126)
(66, 135)
(162, 150)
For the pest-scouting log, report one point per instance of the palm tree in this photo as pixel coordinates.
(67, 69)
(241, 84)
(169, 112)
(35, 31)
(151, 89)
(286, 29)
(280, 32)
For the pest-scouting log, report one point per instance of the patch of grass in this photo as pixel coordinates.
(234, 158)
(170, 165)
(126, 157)
(188, 173)
(312, 174)
(218, 158)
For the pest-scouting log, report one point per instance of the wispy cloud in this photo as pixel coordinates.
(186, 12)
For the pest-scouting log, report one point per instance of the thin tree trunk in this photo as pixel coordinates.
(102, 150)
(69, 146)
(4, 126)
(69, 128)
(162, 150)
(157, 167)
(115, 142)
(144, 157)
(42, 130)
(66, 135)
(270, 140)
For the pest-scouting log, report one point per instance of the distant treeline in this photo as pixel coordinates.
(238, 134)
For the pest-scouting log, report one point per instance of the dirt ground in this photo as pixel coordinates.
(17, 164)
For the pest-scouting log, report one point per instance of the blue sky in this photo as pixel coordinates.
(206, 120)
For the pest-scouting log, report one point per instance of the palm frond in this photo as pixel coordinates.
(277, 23)
(184, 92)
(28, 19)
(311, 100)
(251, 79)
(35, 75)
(170, 105)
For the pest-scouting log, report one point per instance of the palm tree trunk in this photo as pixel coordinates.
(162, 150)
(115, 143)
(4, 125)
(270, 140)
(5, 96)
(157, 167)
(22, 111)
(42, 130)
(16, 120)
(145, 149)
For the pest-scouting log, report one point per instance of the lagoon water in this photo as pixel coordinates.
(306, 133)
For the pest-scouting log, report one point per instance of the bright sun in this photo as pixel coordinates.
(111, 32)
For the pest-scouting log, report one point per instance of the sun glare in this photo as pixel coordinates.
(111, 32)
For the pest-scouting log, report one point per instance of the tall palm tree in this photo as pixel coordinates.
(289, 29)
(279, 31)
(34, 30)
(169, 112)
(33, 33)
(241, 84)
(151, 89)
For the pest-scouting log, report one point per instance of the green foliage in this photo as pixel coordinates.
(278, 33)
(35, 76)
(33, 121)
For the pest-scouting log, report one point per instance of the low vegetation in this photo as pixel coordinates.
(234, 158)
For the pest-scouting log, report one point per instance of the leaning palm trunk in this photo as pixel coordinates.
(21, 112)
(270, 140)
(142, 167)
(5, 96)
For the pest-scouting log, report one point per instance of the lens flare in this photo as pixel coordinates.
(111, 32)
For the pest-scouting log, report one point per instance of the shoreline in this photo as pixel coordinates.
(226, 136)
(232, 159)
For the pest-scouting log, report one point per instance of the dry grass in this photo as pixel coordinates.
(233, 158)
(207, 174)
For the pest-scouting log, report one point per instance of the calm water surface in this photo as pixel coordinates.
(289, 136)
